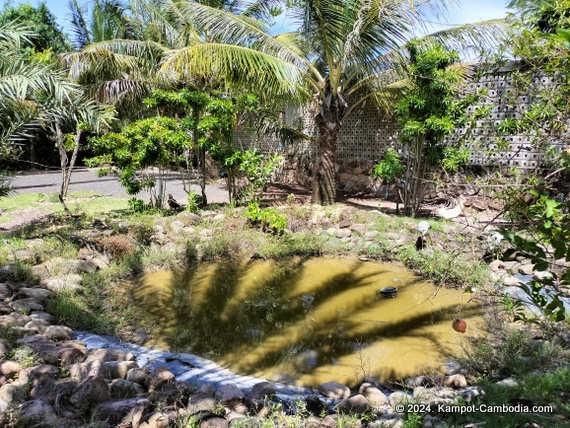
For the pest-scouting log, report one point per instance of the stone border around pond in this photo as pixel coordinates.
(78, 376)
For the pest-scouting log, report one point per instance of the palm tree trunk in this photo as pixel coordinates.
(324, 186)
(332, 108)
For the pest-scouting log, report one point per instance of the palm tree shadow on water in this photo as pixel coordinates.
(255, 315)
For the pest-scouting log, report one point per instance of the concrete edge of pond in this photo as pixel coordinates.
(190, 368)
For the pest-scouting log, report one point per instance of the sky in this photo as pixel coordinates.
(467, 12)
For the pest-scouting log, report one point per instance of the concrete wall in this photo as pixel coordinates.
(366, 134)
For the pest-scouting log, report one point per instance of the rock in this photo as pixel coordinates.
(137, 375)
(177, 226)
(343, 224)
(104, 355)
(262, 391)
(173, 393)
(188, 218)
(496, 265)
(91, 391)
(200, 404)
(207, 389)
(236, 419)
(230, 394)
(5, 308)
(5, 291)
(129, 411)
(4, 348)
(45, 348)
(27, 305)
(82, 371)
(358, 228)
(342, 233)
(398, 397)
(526, 269)
(471, 392)
(12, 395)
(156, 419)
(413, 382)
(159, 376)
(33, 375)
(67, 356)
(455, 381)
(511, 266)
(334, 390)
(48, 390)
(329, 421)
(88, 266)
(39, 326)
(357, 404)
(35, 293)
(509, 381)
(119, 369)
(373, 394)
(63, 283)
(511, 281)
(121, 388)
(433, 422)
(15, 319)
(214, 422)
(315, 406)
(58, 332)
(542, 275)
(206, 233)
(36, 412)
(10, 369)
(41, 316)
(434, 396)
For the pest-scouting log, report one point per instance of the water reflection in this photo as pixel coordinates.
(306, 320)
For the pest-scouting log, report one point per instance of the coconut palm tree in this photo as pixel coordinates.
(344, 54)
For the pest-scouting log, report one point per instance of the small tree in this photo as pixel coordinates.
(390, 169)
(258, 169)
(68, 124)
(143, 152)
(430, 112)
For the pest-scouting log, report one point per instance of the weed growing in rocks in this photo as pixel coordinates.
(25, 356)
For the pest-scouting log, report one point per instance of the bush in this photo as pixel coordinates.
(509, 352)
(268, 218)
(194, 202)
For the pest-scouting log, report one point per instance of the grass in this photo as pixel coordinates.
(82, 201)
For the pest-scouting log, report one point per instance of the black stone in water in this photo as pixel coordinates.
(389, 291)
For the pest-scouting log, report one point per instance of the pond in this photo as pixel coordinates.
(308, 321)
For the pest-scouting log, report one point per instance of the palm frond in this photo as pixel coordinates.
(225, 27)
(237, 65)
(78, 22)
(262, 10)
(13, 33)
(474, 37)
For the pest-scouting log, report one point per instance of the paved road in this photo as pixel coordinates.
(86, 179)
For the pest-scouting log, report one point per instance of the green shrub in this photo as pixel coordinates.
(139, 206)
(194, 202)
(267, 218)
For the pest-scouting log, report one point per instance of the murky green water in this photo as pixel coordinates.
(308, 321)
